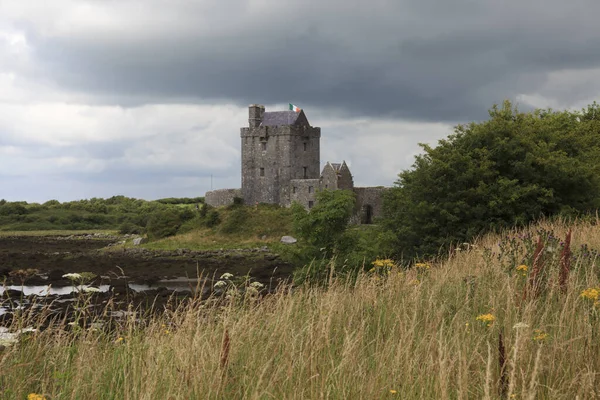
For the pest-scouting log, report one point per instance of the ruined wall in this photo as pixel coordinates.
(369, 203)
(303, 191)
(221, 197)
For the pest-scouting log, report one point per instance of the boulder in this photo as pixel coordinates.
(288, 240)
(56, 275)
(139, 240)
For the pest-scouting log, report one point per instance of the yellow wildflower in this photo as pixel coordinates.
(486, 318)
(591, 294)
(522, 269)
(539, 335)
(422, 266)
(119, 339)
(35, 396)
(385, 263)
(392, 391)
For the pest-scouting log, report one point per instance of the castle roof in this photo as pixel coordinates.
(336, 166)
(279, 118)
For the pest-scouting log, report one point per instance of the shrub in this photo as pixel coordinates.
(235, 220)
(130, 228)
(507, 171)
(212, 218)
(163, 223)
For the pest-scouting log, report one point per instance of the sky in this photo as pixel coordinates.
(145, 98)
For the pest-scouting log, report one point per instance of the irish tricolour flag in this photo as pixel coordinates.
(294, 108)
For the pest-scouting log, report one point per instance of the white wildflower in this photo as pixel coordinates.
(220, 284)
(91, 290)
(226, 276)
(72, 276)
(520, 325)
(257, 285)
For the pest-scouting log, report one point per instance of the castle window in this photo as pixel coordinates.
(263, 146)
(305, 169)
(310, 189)
(294, 189)
(305, 146)
(326, 186)
(311, 204)
(262, 172)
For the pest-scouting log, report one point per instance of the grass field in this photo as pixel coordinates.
(470, 326)
(59, 232)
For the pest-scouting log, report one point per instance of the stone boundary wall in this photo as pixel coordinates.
(221, 197)
(369, 196)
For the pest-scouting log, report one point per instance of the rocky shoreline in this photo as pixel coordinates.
(33, 269)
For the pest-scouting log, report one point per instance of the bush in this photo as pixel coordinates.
(12, 209)
(130, 228)
(235, 221)
(325, 223)
(212, 218)
(162, 224)
(507, 171)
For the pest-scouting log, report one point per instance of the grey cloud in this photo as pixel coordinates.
(430, 60)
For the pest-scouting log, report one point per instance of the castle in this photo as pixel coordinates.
(281, 165)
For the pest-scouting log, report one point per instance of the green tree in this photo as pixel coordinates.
(325, 223)
(506, 171)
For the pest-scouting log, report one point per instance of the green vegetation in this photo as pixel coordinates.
(468, 326)
(504, 172)
(235, 226)
(118, 212)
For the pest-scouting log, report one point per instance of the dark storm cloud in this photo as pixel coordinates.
(421, 60)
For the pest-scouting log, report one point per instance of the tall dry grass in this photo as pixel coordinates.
(412, 335)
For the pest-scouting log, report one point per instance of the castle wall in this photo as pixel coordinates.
(274, 155)
(329, 178)
(221, 197)
(345, 181)
(369, 203)
(303, 191)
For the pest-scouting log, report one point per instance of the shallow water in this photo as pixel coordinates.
(178, 284)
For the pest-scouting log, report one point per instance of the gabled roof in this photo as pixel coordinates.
(279, 118)
(336, 166)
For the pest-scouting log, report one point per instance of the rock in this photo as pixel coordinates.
(13, 294)
(139, 240)
(2, 348)
(119, 286)
(56, 275)
(288, 240)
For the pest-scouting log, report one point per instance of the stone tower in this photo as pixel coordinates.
(277, 147)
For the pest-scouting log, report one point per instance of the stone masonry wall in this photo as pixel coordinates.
(272, 156)
(221, 197)
(303, 191)
(369, 197)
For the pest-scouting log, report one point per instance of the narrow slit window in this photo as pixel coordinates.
(294, 189)
(263, 146)
(262, 172)
(311, 204)
(305, 169)
(305, 146)
(310, 189)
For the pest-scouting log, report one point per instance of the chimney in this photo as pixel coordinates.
(255, 115)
